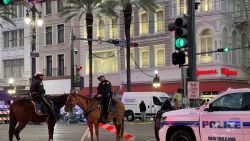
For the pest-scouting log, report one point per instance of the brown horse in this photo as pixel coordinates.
(92, 112)
(22, 111)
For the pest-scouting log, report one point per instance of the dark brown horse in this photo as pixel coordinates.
(92, 112)
(22, 111)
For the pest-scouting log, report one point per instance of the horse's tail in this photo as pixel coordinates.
(12, 124)
(122, 128)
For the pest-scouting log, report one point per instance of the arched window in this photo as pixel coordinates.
(206, 45)
(159, 21)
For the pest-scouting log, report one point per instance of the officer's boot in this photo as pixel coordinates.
(103, 118)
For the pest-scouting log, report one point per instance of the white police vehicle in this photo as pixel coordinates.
(225, 118)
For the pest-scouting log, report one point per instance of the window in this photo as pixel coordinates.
(144, 23)
(246, 102)
(60, 64)
(159, 56)
(114, 28)
(21, 37)
(13, 68)
(48, 8)
(144, 58)
(60, 33)
(13, 9)
(159, 21)
(157, 101)
(48, 34)
(13, 38)
(20, 11)
(101, 28)
(107, 65)
(206, 44)
(229, 102)
(206, 5)
(6, 39)
(59, 6)
(132, 26)
(182, 7)
(49, 65)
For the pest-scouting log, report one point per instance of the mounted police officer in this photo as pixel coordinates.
(38, 93)
(105, 90)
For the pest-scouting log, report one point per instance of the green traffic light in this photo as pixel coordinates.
(225, 49)
(180, 42)
(6, 2)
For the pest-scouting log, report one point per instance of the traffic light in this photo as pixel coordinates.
(181, 33)
(179, 58)
(6, 2)
(225, 49)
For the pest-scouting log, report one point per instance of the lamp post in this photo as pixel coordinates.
(11, 87)
(33, 22)
(156, 81)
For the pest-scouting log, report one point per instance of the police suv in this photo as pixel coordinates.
(225, 118)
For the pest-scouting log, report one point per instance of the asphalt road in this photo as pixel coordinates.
(74, 132)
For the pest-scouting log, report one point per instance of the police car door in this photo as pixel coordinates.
(222, 120)
(245, 115)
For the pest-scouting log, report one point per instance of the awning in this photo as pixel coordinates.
(4, 96)
(206, 86)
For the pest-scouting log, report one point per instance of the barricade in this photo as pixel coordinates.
(109, 128)
(4, 113)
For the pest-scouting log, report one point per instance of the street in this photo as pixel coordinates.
(74, 132)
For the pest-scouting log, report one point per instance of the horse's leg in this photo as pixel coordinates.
(12, 126)
(91, 131)
(97, 131)
(51, 125)
(19, 128)
(117, 127)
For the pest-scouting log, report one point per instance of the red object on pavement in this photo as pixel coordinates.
(111, 129)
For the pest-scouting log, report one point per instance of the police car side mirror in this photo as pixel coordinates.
(209, 108)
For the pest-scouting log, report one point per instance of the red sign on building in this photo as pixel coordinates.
(228, 71)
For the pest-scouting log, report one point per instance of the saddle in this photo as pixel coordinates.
(40, 108)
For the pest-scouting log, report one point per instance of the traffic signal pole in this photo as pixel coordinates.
(191, 41)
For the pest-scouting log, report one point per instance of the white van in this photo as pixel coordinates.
(152, 100)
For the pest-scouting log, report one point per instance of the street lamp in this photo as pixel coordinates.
(33, 22)
(11, 87)
(156, 81)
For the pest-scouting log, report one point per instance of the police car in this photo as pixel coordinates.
(225, 118)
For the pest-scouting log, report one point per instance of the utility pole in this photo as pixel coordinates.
(71, 44)
(191, 42)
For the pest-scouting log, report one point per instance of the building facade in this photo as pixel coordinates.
(219, 23)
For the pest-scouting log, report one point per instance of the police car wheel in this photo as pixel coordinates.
(181, 135)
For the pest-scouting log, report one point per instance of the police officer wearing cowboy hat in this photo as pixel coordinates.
(105, 90)
(38, 93)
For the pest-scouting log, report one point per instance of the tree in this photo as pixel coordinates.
(89, 8)
(127, 8)
(5, 11)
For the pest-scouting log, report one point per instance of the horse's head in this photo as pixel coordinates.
(71, 101)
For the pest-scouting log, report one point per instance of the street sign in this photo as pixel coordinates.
(193, 90)
(34, 54)
(122, 43)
